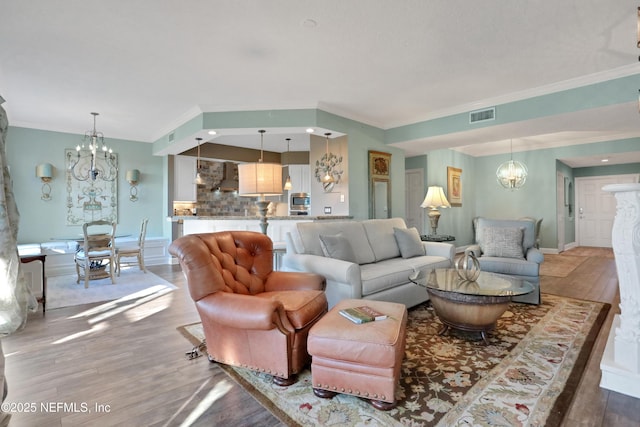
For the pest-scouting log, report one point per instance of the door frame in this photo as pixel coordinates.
(420, 172)
(579, 181)
(560, 211)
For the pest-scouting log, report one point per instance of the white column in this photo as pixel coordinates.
(620, 363)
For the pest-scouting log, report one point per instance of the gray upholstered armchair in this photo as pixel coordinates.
(508, 247)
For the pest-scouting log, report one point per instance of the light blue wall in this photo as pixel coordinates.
(538, 196)
(418, 162)
(455, 221)
(629, 168)
(41, 220)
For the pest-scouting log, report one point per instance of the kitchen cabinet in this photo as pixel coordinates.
(300, 178)
(184, 172)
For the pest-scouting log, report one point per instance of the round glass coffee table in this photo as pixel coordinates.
(467, 305)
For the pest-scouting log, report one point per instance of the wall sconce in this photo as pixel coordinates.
(133, 176)
(45, 173)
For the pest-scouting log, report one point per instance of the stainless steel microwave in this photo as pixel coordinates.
(300, 202)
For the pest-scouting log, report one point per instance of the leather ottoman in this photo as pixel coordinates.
(363, 360)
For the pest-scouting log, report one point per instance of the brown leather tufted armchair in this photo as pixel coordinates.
(252, 316)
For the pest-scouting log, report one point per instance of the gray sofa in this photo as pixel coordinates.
(364, 259)
(508, 247)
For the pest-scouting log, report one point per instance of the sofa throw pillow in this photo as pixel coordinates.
(505, 242)
(409, 242)
(337, 247)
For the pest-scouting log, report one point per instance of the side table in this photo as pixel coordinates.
(25, 259)
(437, 238)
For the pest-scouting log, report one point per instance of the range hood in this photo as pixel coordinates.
(229, 177)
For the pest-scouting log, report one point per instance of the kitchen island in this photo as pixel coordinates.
(277, 230)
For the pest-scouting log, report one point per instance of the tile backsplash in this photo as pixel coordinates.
(213, 202)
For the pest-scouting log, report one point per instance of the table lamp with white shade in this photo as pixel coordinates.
(435, 199)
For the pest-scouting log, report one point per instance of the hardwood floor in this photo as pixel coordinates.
(128, 366)
(596, 280)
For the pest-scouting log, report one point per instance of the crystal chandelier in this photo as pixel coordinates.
(95, 160)
(512, 174)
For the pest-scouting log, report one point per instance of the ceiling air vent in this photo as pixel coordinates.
(482, 115)
(171, 135)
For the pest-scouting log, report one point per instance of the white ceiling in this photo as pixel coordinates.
(148, 65)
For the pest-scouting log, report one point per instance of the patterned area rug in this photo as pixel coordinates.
(63, 291)
(526, 376)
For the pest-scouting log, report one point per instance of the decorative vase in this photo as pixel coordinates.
(468, 267)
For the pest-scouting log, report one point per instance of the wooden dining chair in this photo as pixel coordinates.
(96, 257)
(133, 251)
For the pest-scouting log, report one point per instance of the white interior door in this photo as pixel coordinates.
(414, 181)
(596, 209)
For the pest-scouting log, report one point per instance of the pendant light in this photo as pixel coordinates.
(287, 184)
(198, 180)
(259, 180)
(512, 174)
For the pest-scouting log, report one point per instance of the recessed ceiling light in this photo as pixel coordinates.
(604, 160)
(212, 132)
(309, 130)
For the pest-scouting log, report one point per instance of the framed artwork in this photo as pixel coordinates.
(454, 186)
(90, 199)
(379, 184)
(379, 164)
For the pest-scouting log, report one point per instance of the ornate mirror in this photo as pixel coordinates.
(379, 184)
(380, 201)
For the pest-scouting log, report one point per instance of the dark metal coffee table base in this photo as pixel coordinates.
(474, 313)
(483, 333)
